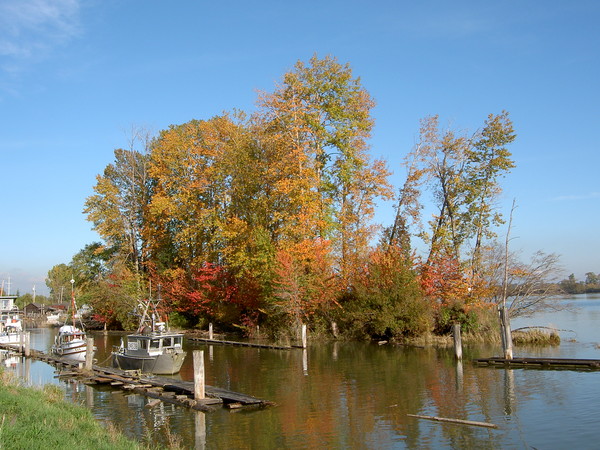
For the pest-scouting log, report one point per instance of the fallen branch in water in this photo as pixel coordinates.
(543, 328)
(463, 422)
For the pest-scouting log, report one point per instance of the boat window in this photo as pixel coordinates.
(167, 342)
(155, 343)
(178, 340)
(144, 344)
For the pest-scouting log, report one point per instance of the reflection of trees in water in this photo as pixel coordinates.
(136, 416)
(345, 395)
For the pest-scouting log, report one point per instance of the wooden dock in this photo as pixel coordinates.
(165, 389)
(543, 363)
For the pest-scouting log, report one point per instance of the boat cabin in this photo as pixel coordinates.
(7, 303)
(141, 344)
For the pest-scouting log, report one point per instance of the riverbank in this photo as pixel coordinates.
(41, 418)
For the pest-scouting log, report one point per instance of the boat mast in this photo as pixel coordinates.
(73, 301)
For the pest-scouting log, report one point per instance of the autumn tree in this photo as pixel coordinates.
(305, 289)
(122, 194)
(189, 193)
(488, 161)
(463, 172)
(325, 113)
(409, 206)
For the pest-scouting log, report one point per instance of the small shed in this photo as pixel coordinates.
(35, 309)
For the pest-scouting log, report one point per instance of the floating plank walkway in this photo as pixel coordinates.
(545, 363)
(239, 343)
(168, 390)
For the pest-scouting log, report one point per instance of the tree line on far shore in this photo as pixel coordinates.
(590, 285)
(267, 219)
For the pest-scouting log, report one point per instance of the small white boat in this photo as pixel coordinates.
(153, 348)
(10, 328)
(71, 341)
(53, 319)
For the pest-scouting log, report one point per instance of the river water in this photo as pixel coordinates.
(359, 395)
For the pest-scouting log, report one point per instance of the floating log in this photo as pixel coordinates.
(239, 343)
(458, 421)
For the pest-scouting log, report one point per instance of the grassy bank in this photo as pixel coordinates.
(34, 418)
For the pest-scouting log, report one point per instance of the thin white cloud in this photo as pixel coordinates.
(588, 196)
(30, 28)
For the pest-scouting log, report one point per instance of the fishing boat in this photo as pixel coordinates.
(71, 341)
(152, 348)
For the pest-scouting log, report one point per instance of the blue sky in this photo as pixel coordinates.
(75, 76)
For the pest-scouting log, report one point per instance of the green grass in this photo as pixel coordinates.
(32, 418)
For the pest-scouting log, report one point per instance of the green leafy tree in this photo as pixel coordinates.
(59, 282)
(387, 301)
(571, 285)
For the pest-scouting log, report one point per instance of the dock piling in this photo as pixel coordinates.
(199, 393)
(457, 341)
(303, 335)
(27, 351)
(89, 354)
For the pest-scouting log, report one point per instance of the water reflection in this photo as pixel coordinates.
(509, 391)
(200, 430)
(349, 395)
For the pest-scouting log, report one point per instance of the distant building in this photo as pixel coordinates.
(35, 309)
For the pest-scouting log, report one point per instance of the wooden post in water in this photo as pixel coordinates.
(89, 354)
(303, 335)
(210, 331)
(505, 333)
(21, 342)
(457, 341)
(27, 343)
(334, 329)
(199, 374)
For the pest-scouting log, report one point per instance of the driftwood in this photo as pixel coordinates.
(459, 421)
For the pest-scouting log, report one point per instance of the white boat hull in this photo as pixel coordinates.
(74, 350)
(164, 364)
(70, 343)
(10, 338)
